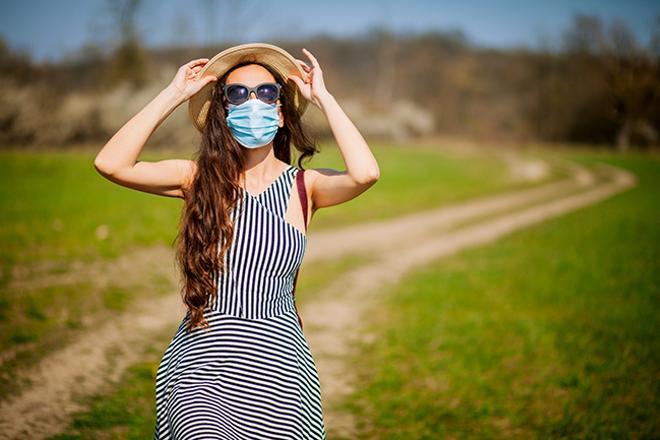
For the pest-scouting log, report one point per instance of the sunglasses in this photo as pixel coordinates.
(237, 93)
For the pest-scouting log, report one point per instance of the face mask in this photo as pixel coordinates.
(253, 123)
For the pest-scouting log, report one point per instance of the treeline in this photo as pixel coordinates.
(598, 85)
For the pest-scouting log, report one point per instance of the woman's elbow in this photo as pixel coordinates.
(371, 176)
(103, 168)
(368, 177)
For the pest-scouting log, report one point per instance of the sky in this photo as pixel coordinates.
(51, 29)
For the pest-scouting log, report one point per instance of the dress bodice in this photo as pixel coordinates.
(264, 255)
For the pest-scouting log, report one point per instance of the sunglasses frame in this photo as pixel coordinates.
(250, 90)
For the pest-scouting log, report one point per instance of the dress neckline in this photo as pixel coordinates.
(254, 196)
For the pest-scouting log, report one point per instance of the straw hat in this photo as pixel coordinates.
(274, 56)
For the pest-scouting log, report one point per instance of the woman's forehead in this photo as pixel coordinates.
(250, 75)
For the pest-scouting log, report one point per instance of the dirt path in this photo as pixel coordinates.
(335, 318)
(368, 236)
(82, 368)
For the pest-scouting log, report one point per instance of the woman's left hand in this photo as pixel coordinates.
(313, 88)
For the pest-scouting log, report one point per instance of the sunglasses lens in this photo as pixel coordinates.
(237, 94)
(268, 93)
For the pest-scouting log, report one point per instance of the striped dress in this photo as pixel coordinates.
(251, 374)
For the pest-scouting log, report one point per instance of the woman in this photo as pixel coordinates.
(239, 365)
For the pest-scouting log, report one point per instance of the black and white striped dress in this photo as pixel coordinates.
(251, 374)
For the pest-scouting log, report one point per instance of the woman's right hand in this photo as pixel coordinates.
(186, 83)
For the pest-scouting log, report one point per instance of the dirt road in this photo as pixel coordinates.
(335, 318)
(330, 321)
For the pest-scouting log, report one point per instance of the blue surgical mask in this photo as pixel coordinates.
(253, 123)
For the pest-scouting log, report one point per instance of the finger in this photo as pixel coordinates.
(197, 61)
(192, 66)
(304, 64)
(204, 77)
(296, 79)
(311, 57)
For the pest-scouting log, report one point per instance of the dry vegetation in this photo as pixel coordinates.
(600, 86)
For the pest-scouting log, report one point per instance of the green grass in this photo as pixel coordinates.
(127, 410)
(124, 411)
(415, 178)
(55, 203)
(550, 332)
(56, 206)
(314, 276)
(40, 321)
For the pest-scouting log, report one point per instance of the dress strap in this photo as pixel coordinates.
(302, 195)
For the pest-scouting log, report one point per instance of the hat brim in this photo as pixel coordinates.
(274, 56)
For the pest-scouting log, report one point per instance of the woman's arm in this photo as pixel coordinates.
(330, 187)
(118, 159)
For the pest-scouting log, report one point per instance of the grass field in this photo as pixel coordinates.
(550, 332)
(56, 206)
(58, 209)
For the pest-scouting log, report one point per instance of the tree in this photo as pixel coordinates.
(128, 61)
(629, 72)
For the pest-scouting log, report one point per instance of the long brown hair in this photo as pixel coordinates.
(205, 224)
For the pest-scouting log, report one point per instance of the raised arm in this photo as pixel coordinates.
(330, 187)
(118, 159)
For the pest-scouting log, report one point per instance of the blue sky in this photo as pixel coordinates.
(48, 29)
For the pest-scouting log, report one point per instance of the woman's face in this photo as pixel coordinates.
(251, 75)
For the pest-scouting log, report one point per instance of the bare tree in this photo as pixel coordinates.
(385, 75)
(129, 59)
(629, 73)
